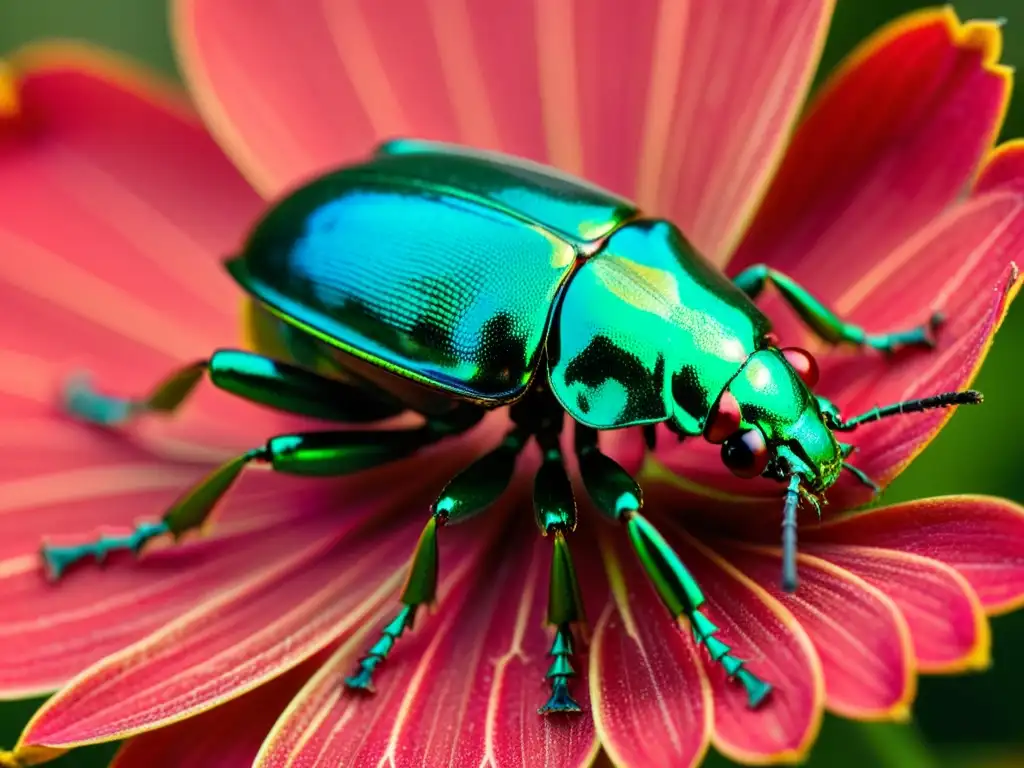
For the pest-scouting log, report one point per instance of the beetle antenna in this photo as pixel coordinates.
(862, 477)
(789, 579)
(944, 400)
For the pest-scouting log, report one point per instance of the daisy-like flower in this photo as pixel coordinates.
(885, 199)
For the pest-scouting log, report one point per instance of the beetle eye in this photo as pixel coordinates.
(724, 419)
(801, 361)
(745, 453)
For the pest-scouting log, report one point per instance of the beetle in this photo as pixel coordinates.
(449, 282)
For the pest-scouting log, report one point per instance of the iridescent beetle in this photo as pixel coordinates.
(441, 280)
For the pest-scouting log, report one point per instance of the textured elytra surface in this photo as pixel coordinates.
(437, 288)
(437, 263)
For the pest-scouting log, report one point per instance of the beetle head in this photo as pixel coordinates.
(769, 423)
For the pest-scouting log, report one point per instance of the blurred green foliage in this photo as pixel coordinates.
(959, 721)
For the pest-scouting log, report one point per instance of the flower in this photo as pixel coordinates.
(888, 202)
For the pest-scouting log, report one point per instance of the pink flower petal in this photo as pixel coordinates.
(908, 117)
(726, 86)
(129, 284)
(462, 690)
(652, 700)
(860, 635)
(54, 631)
(946, 620)
(981, 537)
(294, 89)
(148, 206)
(228, 736)
(231, 643)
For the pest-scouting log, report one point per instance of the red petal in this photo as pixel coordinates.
(1003, 169)
(462, 690)
(148, 205)
(652, 700)
(725, 89)
(947, 621)
(860, 635)
(129, 284)
(226, 737)
(229, 644)
(903, 125)
(295, 89)
(54, 631)
(981, 537)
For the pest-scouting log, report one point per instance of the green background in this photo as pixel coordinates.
(973, 720)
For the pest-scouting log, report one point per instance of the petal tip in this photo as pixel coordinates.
(979, 660)
(900, 713)
(23, 756)
(93, 60)
(984, 36)
(10, 100)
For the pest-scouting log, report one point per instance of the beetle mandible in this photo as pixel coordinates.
(449, 282)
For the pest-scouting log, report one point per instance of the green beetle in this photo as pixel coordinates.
(450, 282)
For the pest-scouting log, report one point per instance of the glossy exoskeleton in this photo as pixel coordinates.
(449, 282)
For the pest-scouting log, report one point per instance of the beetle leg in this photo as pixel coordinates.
(254, 377)
(846, 449)
(315, 454)
(618, 497)
(825, 323)
(555, 508)
(467, 494)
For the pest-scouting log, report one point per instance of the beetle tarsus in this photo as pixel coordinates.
(83, 402)
(559, 674)
(863, 478)
(756, 688)
(362, 678)
(57, 559)
(705, 634)
(924, 335)
(561, 701)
